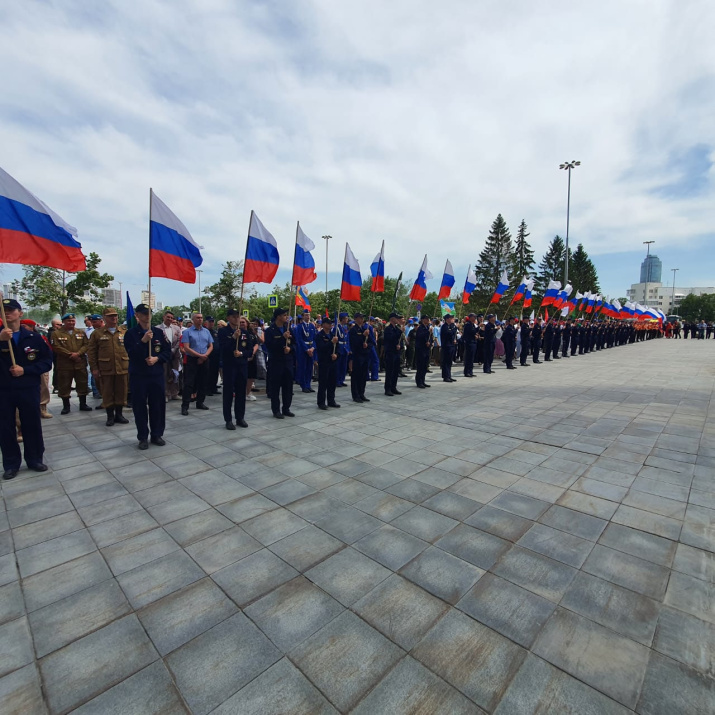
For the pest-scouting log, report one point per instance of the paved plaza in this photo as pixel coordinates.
(537, 541)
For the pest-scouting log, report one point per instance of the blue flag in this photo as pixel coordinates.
(131, 320)
(447, 308)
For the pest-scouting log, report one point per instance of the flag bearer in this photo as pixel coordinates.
(304, 333)
(326, 345)
(448, 339)
(237, 345)
(280, 346)
(392, 347)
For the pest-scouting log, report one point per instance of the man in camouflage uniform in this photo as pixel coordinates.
(70, 346)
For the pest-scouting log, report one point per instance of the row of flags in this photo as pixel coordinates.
(32, 233)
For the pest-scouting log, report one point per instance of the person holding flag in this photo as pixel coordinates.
(448, 341)
(469, 340)
(326, 343)
(358, 337)
(279, 382)
(392, 347)
(304, 334)
(341, 330)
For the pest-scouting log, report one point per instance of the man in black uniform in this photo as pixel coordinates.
(509, 339)
(566, 338)
(149, 351)
(448, 338)
(558, 330)
(279, 343)
(326, 343)
(576, 331)
(548, 340)
(469, 338)
(490, 341)
(536, 342)
(358, 339)
(392, 349)
(236, 344)
(20, 390)
(525, 342)
(423, 349)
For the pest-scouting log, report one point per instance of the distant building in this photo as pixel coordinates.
(112, 297)
(651, 270)
(8, 292)
(149, 300)
(664, 297)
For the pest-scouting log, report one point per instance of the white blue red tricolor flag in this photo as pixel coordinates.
(469, 285)
(419, 289)
(447, 282)
(261, 254)
(551, 292)
(303, 263)
(502, 288)
(352, 282)
(377, 270)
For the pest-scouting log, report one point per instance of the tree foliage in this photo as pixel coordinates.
(551, 266)
(497, 255)
(697, 307)
(524, 262)
(226, 292)
(582, 272)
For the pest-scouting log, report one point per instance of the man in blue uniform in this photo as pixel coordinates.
(341, 330)
(148, 351)
(326, 344)
(358, 337)
(304, 333)
(237, 344)
(281, 349)
(448, 339)
(423, 350)
(392, 347)
(20, 390)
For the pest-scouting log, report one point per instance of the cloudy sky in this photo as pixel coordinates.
(410, 121)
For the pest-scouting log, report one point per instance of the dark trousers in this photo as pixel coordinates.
(524, 355)
(469, 350)
(557, 345)
(574, 345)
(509, 352)
(535, 349)
(280, 386)
(234, 390)
(327, 379)
(214, 363)
(565, 346)
(148, 405)
(421, 365)
(447, 360)
(374, 364)
(196, 376)
(358, 376)
(392, 370)
(488, 356)
(26, 401)
(342, 368)
(548, 347)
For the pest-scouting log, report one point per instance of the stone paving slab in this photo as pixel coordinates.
(456, 554)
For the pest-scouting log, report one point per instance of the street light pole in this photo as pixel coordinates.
(199, 271)
(672, 296)
(327, 239)
(647, 270)
(568, 165)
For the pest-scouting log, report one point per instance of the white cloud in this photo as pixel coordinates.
(409, 121)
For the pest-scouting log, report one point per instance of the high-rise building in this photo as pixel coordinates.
(651, 269)
(8, 292)
(112, 297)
(149, 300)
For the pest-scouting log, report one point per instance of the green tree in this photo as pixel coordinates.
(226, 292)
(497, 254)
(524, 262)
(86, 290)
(697, 307)
(582, 272)
(551, 266)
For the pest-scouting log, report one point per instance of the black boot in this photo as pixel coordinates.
(110, 416)
(83, 406)
(119, 417)
(65, 406)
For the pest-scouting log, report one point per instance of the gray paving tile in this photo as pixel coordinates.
(60, 623)
(98, 494)
(218, 663)
(306, 548)
(345, 659)
(507, 608)
(577, 645)
(596, 488)
(39, 531)
(87, 667)
(158, 578)
(601, 508)
(649, 522)
(626, 612)
(124, 527)
(64, 580)
(240, 510)
(348, 575)
(536, 573)
(139, 550)
(111, 509)
(425, 524)
(215, 487)
(695, 562)
(12, 605)
(175, 509)
(412, 490)
(196, 527)
(523, 506)
(701, 537)
(471, 657)
(222, 549)
(281, 686)
(687, 639)
(385, 507)
(638, 543)
(437, 477)
(149, 692)
(54, 552)
(254, 576)
(273, 526)
(452, 505)
(476, 490)
(185, 614)
(474, 546)
(16, 645)
(558, 545)
(500, 523)
(292, 612)
(691, 595)
(671, 687)
(390, 546)
(411, 688)
(574, 522)
(628, 571)
(539, 687)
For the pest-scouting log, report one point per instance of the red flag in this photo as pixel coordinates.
(546, 314)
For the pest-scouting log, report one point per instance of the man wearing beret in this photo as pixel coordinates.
(281, 350)
(70, 345)
(20, 391)
(110, 365)
(326, 343)
(392, 347)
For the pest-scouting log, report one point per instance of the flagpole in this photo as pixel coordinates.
(340, 295)
(295, 298)
(149, 284)
(243, 282)
(4, 325)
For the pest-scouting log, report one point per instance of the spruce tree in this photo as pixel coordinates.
(524, 262)
(497, 255)
(552, 265)
(582, 272)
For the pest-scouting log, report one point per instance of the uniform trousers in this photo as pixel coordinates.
(148, 405)
(469, 350)
(374, 364)
(358, 376)
(304, 369)
(524, 355)
(565, 345)
(280, 385)
(26, 401)
(421, 365)
(327, 370)
(488, 356)
(342, 368)
(392, 370)
(447, 360)
(235, 377)
(114, 390)
(67, 375)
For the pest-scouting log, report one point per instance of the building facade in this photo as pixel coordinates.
(651, 270)
(112, 297)
(666, 298)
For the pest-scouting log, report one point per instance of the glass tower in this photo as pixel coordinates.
(651, 270)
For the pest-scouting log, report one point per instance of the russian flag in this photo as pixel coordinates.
(519, 294)
(32, 233)
(469, 285)
(502, 288)
(301, 298)
(352, 282)
(377, 269)
(173, 253)
(551, 292)
(447, 282)
(261, 254)
(590, 302)
(303, 263)
(562, 297)
(419, 289)
(527, 293)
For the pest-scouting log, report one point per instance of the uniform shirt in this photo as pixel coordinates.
(324, 344)
(358, 341)
(423, 339)
(106, 351)
(198, 339)
(342, 332)
(448, 335)
(227, 344)
(392, 338)
(138, 351)
(31, 352)
(304, 336)
(490, 333)
(469, 333)
(65, 342)
(276, 339)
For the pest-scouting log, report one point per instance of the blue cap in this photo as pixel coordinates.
(343, 315)
(67, 315)
(95, 316)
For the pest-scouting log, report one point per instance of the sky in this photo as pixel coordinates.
(410, 121)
